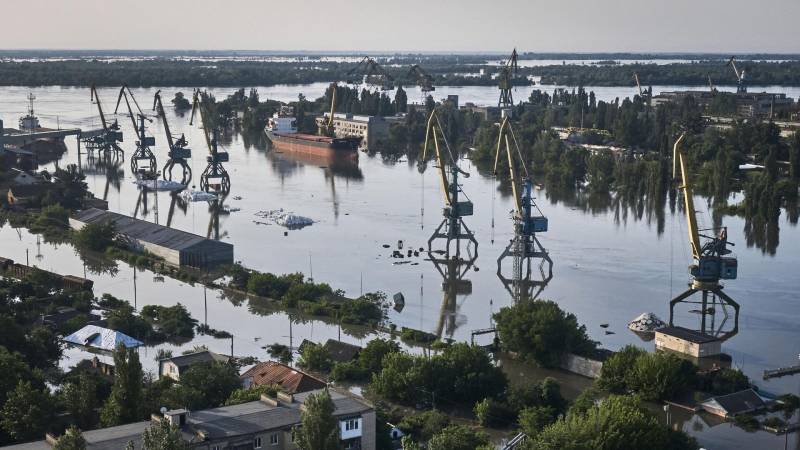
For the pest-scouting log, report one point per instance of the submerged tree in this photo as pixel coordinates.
(318, 430)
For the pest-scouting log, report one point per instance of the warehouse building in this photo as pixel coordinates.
(687, 342)
(176, 247)
(372, 129)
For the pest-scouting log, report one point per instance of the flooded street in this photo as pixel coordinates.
(609, 267)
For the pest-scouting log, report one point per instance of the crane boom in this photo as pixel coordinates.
(159, 108)
(95, 97)
(638, 85)
(433, 122)
(197, 105)
(691, 219)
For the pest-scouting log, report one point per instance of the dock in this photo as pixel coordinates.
(783, 371)
(19, 138)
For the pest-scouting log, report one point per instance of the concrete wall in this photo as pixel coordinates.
(369, 427)
(581, 365)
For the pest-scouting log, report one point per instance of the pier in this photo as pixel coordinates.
(783, 371)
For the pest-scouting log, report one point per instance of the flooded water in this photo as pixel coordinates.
(608, 266)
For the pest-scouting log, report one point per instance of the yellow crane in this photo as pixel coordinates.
(214, 177)
(524, 248)
(741, 87)
(326, 127)
(710, 254)
(454, 208)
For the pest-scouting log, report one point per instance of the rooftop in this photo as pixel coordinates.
(341, 351)
(101, 338)
(289, 379)
(687, 335)
(738, 402)
(194, 358)
(143, 230)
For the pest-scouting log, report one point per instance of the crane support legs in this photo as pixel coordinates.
(716, 295)
(186, 171)
(456, 230)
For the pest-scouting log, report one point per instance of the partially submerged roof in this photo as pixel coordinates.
(687, 335)
(143, 230)
(289, 379)
(738, 402)
(101, 338)
(341, 351)
(195, 358)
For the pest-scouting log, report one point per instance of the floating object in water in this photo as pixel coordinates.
(285, 218)
(386, 245)
(646, 323)
(603, 325)
(160, 185)
(399, 301)
(400, 244)
(238, 197)
(197, 196)
(609, 332)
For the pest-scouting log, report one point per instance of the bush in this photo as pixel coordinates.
(723, 381)
(315, 357)
(493, 413)
(95, 236)
(541, 331)
(422, 427)
(459, 437)
(747, 422)
(251, 395)
(348, 371)
(172, 321)
(655, 376)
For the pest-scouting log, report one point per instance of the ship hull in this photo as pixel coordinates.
(316, 146)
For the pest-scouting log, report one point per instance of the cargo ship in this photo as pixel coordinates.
(281, 129)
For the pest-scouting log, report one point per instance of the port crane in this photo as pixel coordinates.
(108, 136)
(711, 259)
(741, 87)
(143, 161)
(452, 228)
(524, 248)
(326, 127)
(372, 73)
(178, 149)
(711, 86)
(505, 80)
(423, 79)
(214, 177)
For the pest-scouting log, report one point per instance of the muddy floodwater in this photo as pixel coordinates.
(610, 265)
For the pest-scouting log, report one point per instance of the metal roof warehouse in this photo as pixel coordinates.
(176, 247)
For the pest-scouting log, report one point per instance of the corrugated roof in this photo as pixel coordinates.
(102, 338)
(341, 351)
(145, 231)
(290, 380)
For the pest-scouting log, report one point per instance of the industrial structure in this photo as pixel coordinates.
(452, 228)
(505, 81)
(524, 249)
(370, 72)
(175, 247)
(453, 267)
(178, 149)
(143, 161)
(106, 138)
(712, 262)
(214, 177)
(741, 87)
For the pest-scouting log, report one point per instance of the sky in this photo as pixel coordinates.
(717, 26)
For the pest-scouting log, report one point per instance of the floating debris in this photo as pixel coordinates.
(160, 185)
(603, 325)
(285, 218)
(198, 196)
(386, 245)
(237, 197)
(646, 323)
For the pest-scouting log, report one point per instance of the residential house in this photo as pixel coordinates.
(687, 342)
(174, 366)
(290, 380)
(732, 405)
(25, 195)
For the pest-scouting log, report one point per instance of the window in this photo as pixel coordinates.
(216, 447)
(171, 369)
(351, 424)
(273, 439)
(257, 442)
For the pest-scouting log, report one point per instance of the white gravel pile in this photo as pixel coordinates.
(159, 185)
(285, 218)
(646, 323)
(197, 196)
